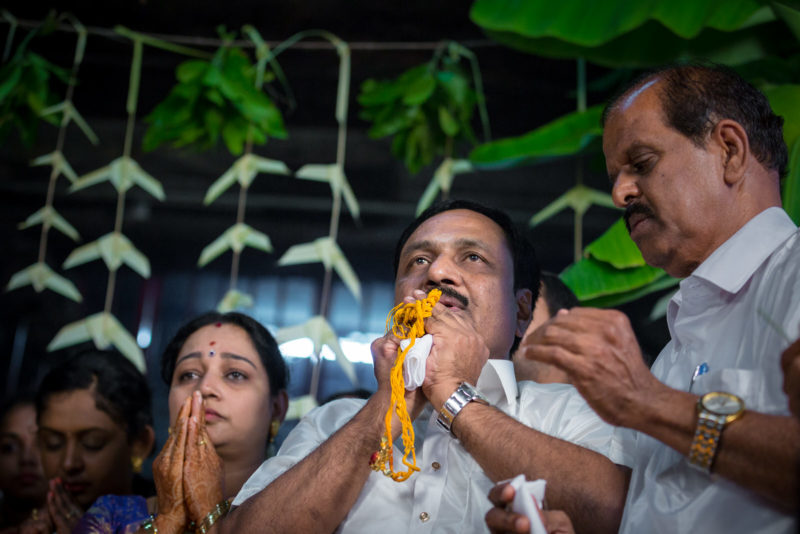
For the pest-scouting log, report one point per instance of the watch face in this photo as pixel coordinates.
(722, 403)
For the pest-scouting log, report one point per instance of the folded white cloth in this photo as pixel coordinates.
(414, 364)
(528, 499)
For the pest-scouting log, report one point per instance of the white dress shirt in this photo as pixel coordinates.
(718, 318)
(449, 494)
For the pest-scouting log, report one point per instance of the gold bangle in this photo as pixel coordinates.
(219, 510)
(149, 524)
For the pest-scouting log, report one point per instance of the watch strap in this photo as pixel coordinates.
(706, 439)
(463, 395)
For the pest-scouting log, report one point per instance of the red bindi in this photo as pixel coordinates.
(213, 343)
(218, 325)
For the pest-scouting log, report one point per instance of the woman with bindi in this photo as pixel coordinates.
(227, 397)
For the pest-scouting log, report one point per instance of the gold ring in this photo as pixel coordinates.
(35, 514)
(169, 430)
(201, 442)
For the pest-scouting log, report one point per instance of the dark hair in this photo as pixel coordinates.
(119, 389)
(556, 294)
(695, 97)
(264, 343)
(25, 398)
(526, 266)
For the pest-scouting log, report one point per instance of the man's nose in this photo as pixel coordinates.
(443, 271)
(625, 190)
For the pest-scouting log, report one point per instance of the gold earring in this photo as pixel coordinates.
(273, 430)
(136, 463)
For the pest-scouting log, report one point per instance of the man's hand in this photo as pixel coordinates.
(599, 352)
(790, 362)
(501, 520)
(384, 354)
(458, 354)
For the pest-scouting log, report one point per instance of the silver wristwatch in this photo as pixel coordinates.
(463, 395)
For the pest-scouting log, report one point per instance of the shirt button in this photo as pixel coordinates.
(424, 516)
(436, 466)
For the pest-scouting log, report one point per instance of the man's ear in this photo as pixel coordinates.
(524, 299)
(732, 139)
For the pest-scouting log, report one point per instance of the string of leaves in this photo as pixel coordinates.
(244, 171)
(40, 275)
(114, 248)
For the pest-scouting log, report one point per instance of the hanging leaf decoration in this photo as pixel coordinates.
(421, 109)
(42, 277)
(214, 99)
(235, 238)
(104, 330)
(25, 91)
(319, 330)
(326, 251)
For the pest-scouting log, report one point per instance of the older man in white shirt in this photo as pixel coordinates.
(695, 156)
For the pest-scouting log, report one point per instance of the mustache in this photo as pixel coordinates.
(450, 292)
(636, 208)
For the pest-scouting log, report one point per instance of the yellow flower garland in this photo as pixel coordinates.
(406, 322)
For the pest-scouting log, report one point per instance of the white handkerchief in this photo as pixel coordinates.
(528, 499)
(414, 364)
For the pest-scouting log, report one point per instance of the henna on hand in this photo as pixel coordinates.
(202, 467)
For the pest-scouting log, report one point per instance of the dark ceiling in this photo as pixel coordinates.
(522, 92)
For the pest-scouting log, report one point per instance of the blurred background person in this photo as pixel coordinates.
(22, 481)
(554, 295)
(95, 430)
(227, 398)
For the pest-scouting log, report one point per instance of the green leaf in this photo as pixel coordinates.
(244, 171)
(57, 160)
(420, 89)
(616, 247)
(42, 277)
(49, 216)
(568, 21)
(123, 173)
(785, 101)
(562, 137)
(447, 122)
(334, 175)
(580, 198)
(652, 44)
(590, 278)
(104, 330)
(618, 299)
(235, 238)
(321, 333)
(233, 300)
(115, 249)
(791, 184)
(326, 251)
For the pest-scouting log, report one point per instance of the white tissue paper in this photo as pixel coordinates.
(414, 364)
(528, 499)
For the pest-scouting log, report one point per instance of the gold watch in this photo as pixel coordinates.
(714, 411)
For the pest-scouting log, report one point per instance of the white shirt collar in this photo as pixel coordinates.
(734, 262)
(497, 381)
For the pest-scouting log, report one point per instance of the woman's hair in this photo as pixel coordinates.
(119, 389)
(25, 398)
(264, 343)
